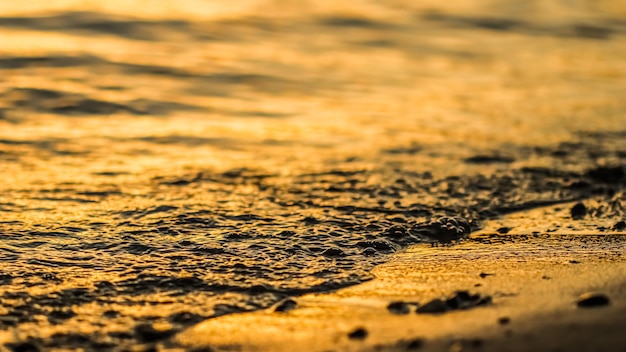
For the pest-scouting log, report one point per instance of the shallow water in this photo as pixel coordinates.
(166, 164)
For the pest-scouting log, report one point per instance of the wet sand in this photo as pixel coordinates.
(166, 165)
(534, 282)
(529, 312)
(542, 316)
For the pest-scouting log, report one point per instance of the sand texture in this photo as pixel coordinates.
(534, 282)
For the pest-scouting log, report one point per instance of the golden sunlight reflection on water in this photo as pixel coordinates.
(209, 157)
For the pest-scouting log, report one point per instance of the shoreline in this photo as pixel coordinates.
(534, 282)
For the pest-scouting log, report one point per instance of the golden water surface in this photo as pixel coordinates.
(168, 161)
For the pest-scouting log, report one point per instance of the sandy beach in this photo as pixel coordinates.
(263, 175)
(531, 311)
(534, 281)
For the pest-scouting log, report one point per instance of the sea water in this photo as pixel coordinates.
(164, 162)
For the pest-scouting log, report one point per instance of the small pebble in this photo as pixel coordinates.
(619, 226)
(434, 306)
(504, 320)
(503, 230)
(398, 308)
(578, 211)
(358, 334)
(459, 300)
(592, 299)
(466, 300)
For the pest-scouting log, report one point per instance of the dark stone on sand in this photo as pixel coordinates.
(433, 307)
(464, 300)
(358, 334)
(619, 226)
(286, 305)
(592, 299)
(503, 230)
(484, 275)
(398, 308)
(459, 300)
(504, 320)
(578, 211)
(23, 347)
